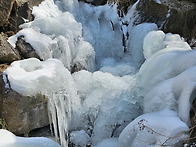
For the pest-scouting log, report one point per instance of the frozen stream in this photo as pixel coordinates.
(134, 92)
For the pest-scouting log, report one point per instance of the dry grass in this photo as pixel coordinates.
(3, 67)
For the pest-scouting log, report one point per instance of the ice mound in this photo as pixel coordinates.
(168, 74)
(31, 76)
(166, 59)
(8, 139)
(162, 128)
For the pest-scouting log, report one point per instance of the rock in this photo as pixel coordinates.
(95, 2)
(5, 10)
(178, 17)
(150, 11)
(185, 25)
(25, 49)
(14, 13)
(7, 53)
(22, 113)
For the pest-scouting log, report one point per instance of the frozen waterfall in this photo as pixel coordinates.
(106, 88)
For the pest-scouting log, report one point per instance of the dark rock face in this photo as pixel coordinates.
(22, 113)
(178, 17)
(13, 13)
(25, 49)
(182, 23)
(5, 10)
(7, 53)
(150, 11)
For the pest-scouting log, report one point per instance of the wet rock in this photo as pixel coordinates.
(7, 53)
(22, 113)
(25, 49)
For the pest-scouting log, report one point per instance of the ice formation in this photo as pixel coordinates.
(61, 37)
(96, 106)
(8, 139)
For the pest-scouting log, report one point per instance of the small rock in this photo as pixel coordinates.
(7, 53)
(25, 49)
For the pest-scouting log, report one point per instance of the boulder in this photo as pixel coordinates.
(22, 113)
(7, 53)
(175, 16)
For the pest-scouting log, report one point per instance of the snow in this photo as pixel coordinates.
(32, 76)
(8, 139)
(176, 94)
(109, 142)
(162, 128)
(173, 54)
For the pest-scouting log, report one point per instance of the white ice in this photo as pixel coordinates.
(8, 139)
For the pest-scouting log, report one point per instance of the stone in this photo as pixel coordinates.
(22, 113)
(25, 49)
(7, 53)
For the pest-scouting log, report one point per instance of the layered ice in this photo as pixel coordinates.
(8, 139)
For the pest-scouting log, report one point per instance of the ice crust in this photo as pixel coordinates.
(154, 75)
